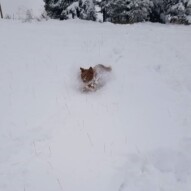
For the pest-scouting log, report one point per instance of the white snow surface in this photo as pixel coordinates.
(134, 134)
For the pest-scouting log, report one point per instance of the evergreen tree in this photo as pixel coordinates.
(171, 11)
(126, 11)
(64, 9)
(87, 10)
(29, 16)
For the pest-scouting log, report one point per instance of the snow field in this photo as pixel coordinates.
(131, 135)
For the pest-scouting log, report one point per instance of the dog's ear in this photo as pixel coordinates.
(82, 69)
(91, 69)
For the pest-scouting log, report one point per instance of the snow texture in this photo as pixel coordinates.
(131, 135)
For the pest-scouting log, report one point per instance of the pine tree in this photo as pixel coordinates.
(29, 16)
(64, 9)
(126, 11)
(87, 10)
(188, 7)
(171, 11)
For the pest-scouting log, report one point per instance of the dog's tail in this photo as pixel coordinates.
(106, 68)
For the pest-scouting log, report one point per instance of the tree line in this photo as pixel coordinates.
(122, 11)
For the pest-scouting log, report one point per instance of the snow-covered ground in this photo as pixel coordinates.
(134, 134)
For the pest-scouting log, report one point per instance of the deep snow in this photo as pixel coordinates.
(132, 135)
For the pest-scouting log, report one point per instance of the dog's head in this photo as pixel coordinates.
(87, 74)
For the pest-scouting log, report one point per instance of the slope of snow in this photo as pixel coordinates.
(132, 135)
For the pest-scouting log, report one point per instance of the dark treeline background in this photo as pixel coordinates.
(122, 11)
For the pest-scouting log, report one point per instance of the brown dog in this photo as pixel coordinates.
(92, 76)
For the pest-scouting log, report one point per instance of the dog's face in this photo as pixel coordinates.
(87, 74)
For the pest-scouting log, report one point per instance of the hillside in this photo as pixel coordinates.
(131, 135)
